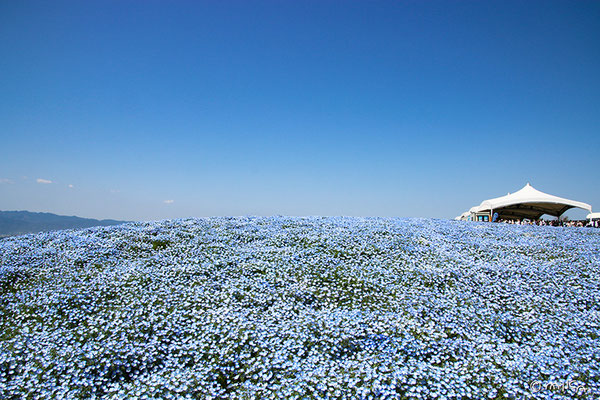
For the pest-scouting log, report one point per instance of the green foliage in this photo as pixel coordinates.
(160, 244)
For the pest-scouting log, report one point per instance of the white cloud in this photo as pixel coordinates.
(44, 181)
(169, 201)
(6, 181)
(71, 186)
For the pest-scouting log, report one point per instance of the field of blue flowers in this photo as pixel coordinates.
(319, 308)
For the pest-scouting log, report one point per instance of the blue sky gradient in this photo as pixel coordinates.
(295, 108)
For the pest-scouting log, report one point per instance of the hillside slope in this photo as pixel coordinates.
(301, 307)
(21, 222)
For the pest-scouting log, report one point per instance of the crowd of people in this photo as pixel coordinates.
(543, 222)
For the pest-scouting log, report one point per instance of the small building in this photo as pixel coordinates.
(594, 216)
(527, 203)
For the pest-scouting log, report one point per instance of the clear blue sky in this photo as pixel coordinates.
(161, 109)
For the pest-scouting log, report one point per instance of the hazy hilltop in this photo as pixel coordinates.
(22, 222)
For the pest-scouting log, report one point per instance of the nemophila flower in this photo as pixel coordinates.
(299, 307)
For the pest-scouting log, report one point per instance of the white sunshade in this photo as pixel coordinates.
(462, 216)
(595, 215)
(530, 202)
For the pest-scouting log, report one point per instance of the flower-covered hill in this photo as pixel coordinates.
(301, 308)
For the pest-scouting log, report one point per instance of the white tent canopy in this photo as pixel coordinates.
(527, 203)
(595, 215)
(463, 216)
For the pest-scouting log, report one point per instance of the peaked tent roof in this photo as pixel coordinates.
(529, 203)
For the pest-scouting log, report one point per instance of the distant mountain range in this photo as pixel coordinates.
(22, 222)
